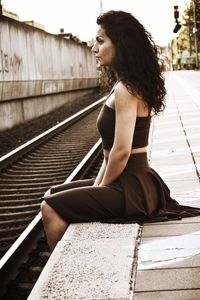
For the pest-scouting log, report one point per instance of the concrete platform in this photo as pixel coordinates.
(93, 261)
(168, 257)
(159, 261)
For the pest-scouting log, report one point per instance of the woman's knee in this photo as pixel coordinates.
(49, 215)
(47, 193)
(46, 209)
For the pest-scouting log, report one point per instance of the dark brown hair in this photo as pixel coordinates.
(136, 62)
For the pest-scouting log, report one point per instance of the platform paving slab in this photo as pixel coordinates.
(182, 221)
(92, 261)
(169, 251)
(171, 152)
(168, 279)
(186, 186)
(178, 173)
(175, 159)
(168, 257)
(189, 197)
(172, 295)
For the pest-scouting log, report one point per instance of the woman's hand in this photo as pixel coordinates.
(100, 174)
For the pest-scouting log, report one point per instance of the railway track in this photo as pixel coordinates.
(25, 175)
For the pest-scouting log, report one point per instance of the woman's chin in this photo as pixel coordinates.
(102, 64)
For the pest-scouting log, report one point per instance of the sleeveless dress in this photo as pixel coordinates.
(137, 195)
(147, 197)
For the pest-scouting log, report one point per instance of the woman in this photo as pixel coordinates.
(126, 189)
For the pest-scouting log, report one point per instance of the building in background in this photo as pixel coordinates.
(14, 16)
(9, 14)
(35, 24)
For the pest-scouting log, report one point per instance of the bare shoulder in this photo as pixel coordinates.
(123, 95)
(120, 88)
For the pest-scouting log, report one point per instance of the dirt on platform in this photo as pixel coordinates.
(13, 138)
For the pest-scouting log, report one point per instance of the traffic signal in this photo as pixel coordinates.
(176, 16)
(176, 12)
(177, 27)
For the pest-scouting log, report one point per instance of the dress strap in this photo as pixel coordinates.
(113, 88)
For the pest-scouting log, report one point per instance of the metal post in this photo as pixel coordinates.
(1, 9)
(188, 23)
(195, 35)
(101, 6)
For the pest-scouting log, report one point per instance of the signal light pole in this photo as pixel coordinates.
(178, 27)
(1, 9)
(176, 16)
(195, 36)
(176, 12)
(101, 6)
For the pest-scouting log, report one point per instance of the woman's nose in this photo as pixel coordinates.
(94, 48)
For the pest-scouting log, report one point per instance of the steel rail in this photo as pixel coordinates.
(16, 253)
(20, 189)
(10, 157)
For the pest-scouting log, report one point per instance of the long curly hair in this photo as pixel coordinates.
(136, 62)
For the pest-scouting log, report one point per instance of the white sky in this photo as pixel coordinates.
(79, 16)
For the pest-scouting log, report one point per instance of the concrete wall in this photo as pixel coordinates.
(34, 63)
(18, 111)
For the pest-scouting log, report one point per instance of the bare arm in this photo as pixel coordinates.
(100, 174)
(126, 112)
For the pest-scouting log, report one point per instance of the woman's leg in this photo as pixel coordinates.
(80, 204)
(54, 225)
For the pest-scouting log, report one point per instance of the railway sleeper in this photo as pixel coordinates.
(35, 188)
(8, 232)
(27, 274)
(19, 202)
(6, 223)
(8, 239)
(22, 196)
(9, 186)
(18, 190)
(21, 181)
(7, 216)
(38, 259)
(4, 246)
(42, 165)
(13, 289)
(41, 152)
(21, 208)
(46, 157)
(30, 174)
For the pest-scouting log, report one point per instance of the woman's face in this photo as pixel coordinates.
(103, 48)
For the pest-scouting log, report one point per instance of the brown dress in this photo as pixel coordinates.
(137, 195)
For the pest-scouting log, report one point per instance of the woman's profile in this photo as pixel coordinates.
(126, 188)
